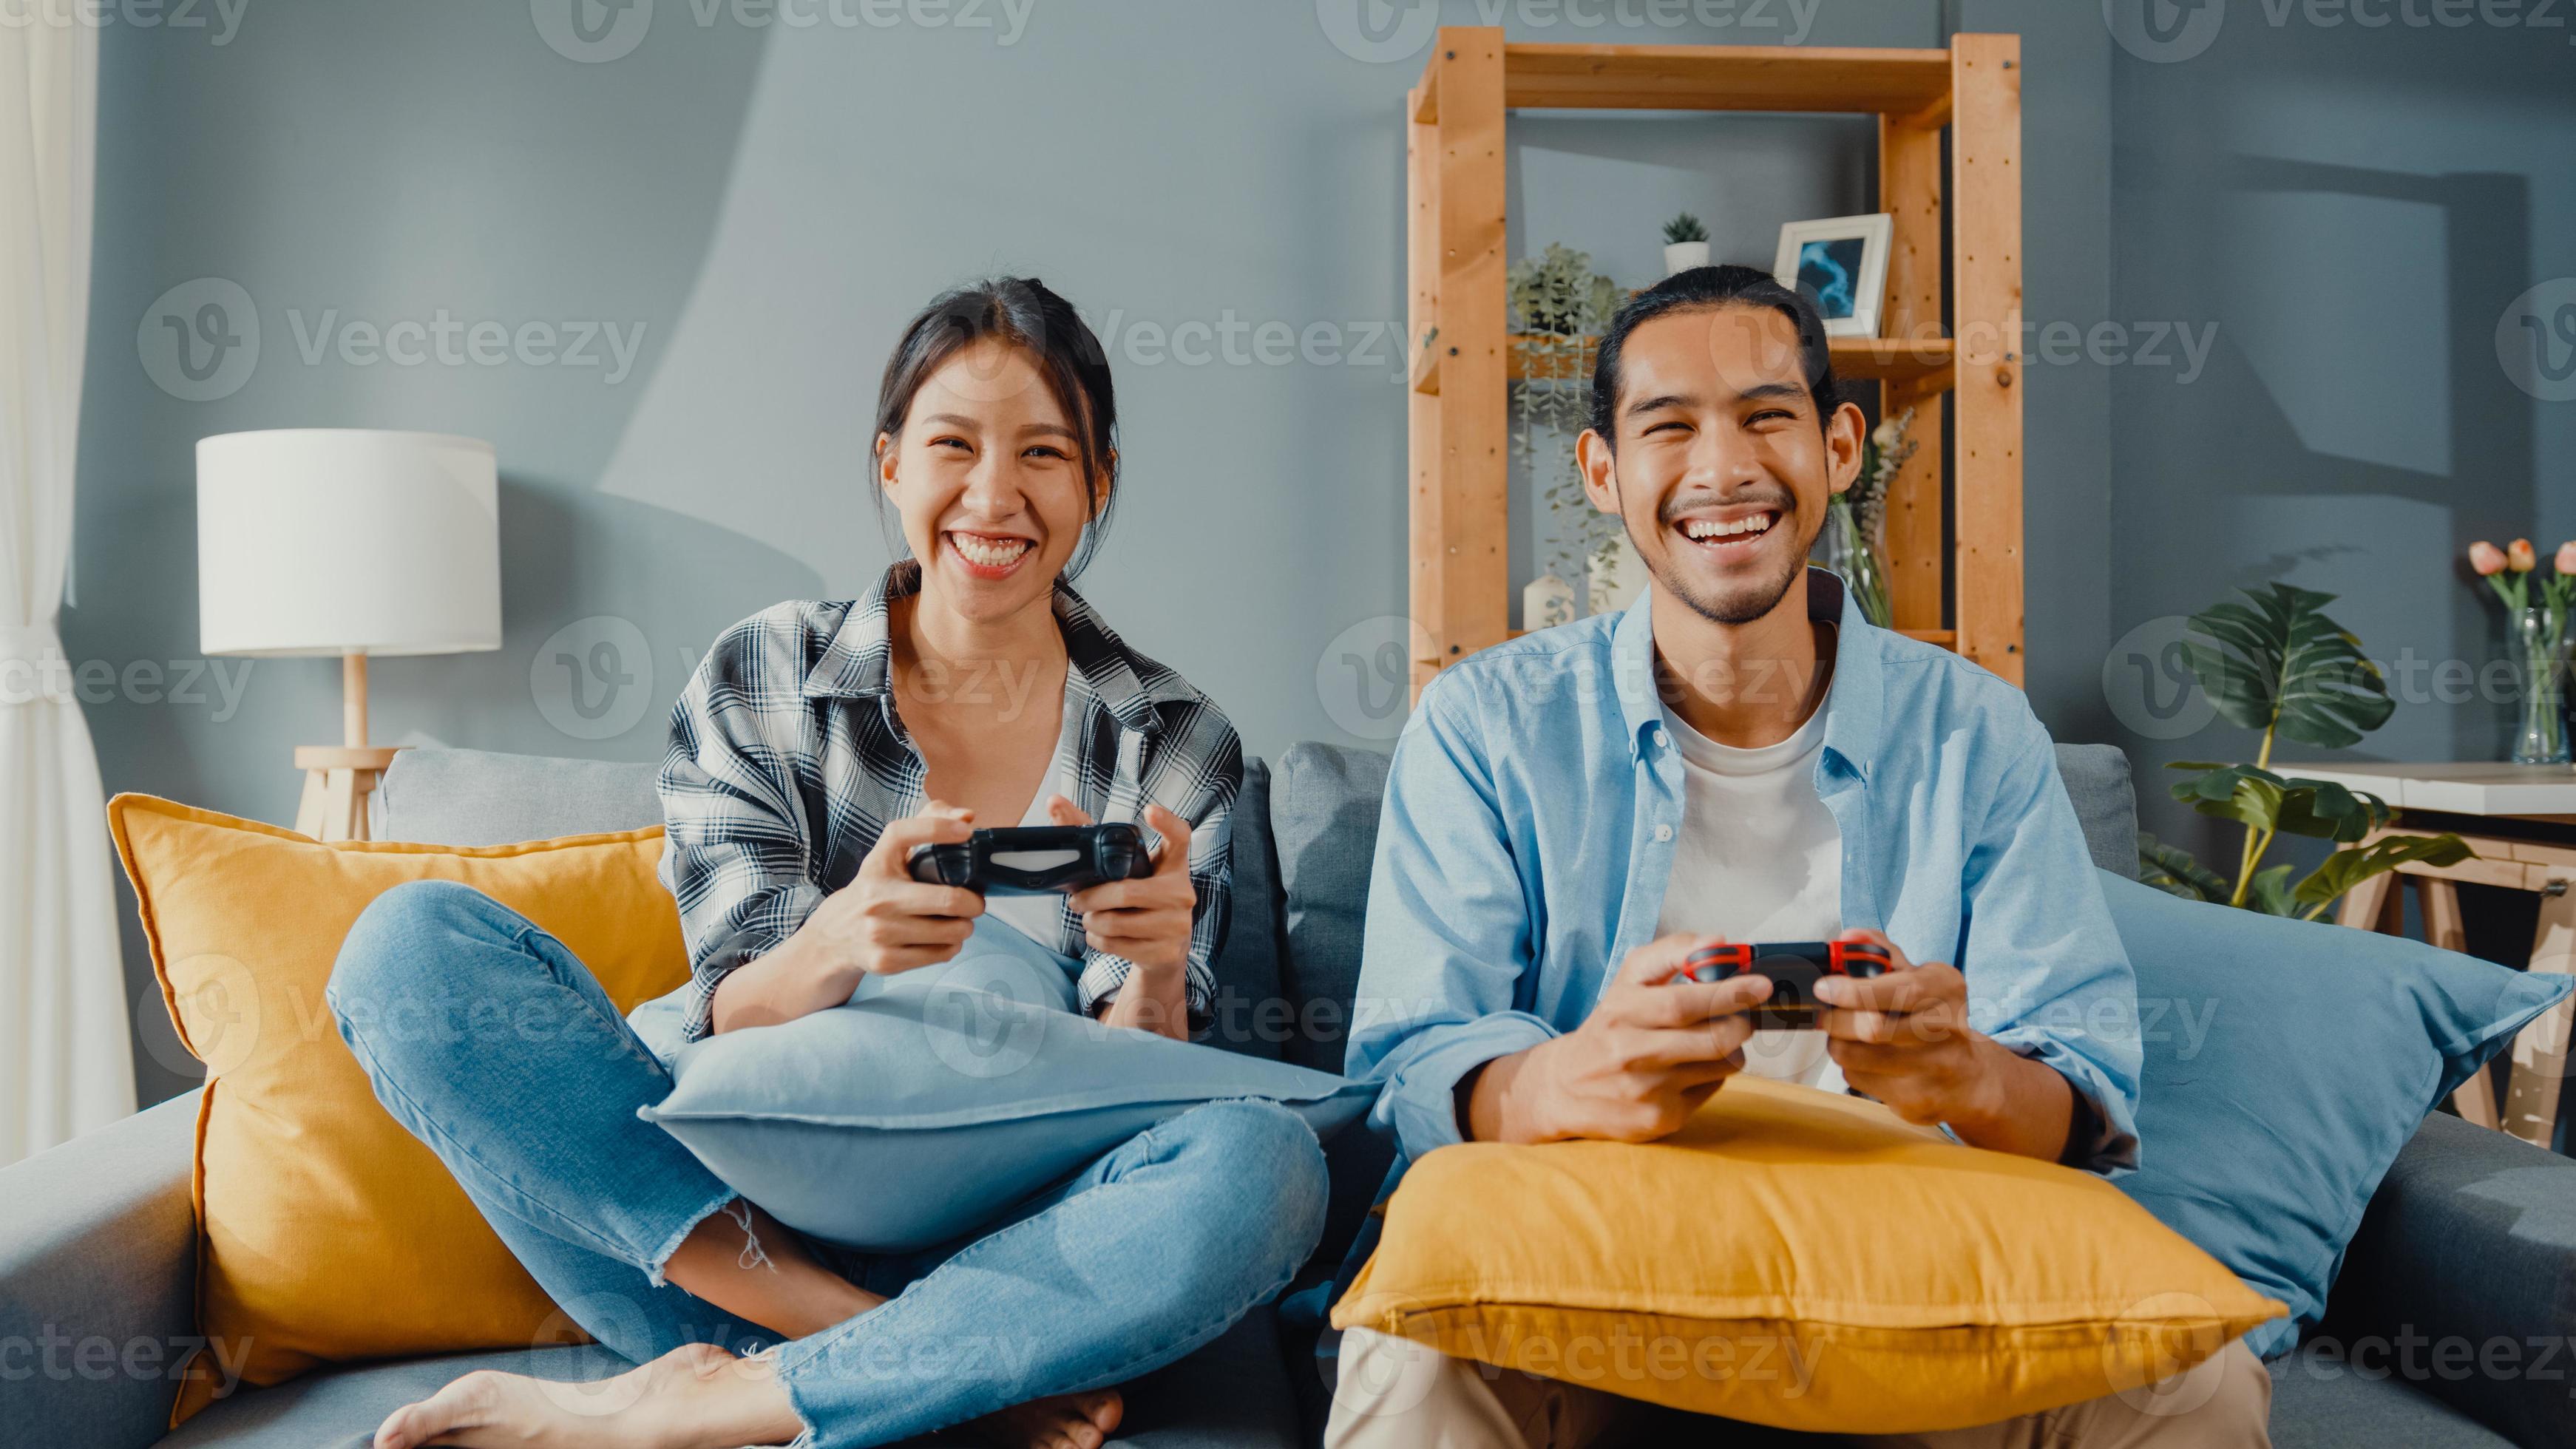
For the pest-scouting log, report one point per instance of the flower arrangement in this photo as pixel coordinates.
(2539, 638)
(2508, 571)
(1853, 542)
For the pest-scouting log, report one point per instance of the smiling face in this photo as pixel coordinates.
(1723, 465)
(987, 473)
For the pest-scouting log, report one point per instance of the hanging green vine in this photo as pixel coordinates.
(1560, 307)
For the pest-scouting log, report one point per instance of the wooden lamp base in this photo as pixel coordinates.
(339, 778)
(337, 782)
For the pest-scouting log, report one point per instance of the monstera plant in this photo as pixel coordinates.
(2274, 662)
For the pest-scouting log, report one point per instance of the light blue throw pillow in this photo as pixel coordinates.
(939, 1099)
(2287, 1063)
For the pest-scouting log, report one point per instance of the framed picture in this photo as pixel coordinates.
(1841, 264)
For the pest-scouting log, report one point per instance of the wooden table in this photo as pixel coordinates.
(2521, 821)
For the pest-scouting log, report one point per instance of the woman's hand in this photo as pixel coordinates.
(1147, 922)
(881, 923)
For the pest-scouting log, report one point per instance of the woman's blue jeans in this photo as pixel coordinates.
(496, 1047)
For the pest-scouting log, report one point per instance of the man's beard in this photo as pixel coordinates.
(1744, 603)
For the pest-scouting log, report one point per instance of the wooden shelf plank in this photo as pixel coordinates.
(1925, 366)
(1725, 78)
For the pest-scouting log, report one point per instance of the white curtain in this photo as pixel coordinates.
(65, 1060)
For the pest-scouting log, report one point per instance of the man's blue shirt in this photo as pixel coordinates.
(1528, 836)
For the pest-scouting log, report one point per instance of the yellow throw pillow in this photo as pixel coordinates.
(1798, 1259)
(326, 1232)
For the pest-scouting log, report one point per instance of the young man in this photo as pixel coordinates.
(1738, 757)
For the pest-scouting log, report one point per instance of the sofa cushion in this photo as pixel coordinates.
(1248, 1012)
(484, 797)
(1323, 818)
(2286, 1065)
(1231, 1394)
(1920, 1284)
(315, 1207)
(2470, 1240)
(938, 1099)
(2322, 1401)
(2106, 804)
(1323, 822)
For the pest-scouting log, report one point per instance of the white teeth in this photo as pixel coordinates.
(990, 553)
(1706, 528)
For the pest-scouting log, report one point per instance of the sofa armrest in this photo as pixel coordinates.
(2462, 1281)
(98, 1245)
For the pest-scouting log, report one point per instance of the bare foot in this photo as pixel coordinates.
(697, 1396)
(1066, 1421)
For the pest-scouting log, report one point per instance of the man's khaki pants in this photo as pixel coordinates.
(1393, 1393)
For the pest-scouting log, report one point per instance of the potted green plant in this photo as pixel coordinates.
(1559, 306)
(1685, 244)
(2278, 664)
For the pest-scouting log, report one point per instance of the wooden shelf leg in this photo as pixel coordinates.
(2366, 906)
(2475, 1100)
(1985, 201)
(2540, 1051)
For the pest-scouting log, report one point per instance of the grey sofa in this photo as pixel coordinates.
(2472, 1238)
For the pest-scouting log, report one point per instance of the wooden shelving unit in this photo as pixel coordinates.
(1968, 596)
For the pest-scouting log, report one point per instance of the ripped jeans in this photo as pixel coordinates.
(1150, 1252)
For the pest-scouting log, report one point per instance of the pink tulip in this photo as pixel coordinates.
(2565, 563)
(2519, 557)
(2486, 558)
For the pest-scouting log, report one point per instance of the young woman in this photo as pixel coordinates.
(817, 745)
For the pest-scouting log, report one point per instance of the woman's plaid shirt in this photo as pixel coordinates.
(788, 758)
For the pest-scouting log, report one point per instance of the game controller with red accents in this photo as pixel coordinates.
(1794, 968)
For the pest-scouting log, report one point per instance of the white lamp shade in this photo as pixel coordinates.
(347, 541)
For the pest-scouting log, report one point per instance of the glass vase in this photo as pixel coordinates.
(1843, 547)
(2540, 656)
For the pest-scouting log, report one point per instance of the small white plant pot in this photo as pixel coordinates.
(1546, 600)
(1615, 579)
(1682, 256)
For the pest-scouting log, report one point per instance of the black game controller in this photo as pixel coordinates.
(1035, 860)
(1794, 968)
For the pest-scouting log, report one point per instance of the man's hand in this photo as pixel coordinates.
(1652, 1050)
(1904, 1038)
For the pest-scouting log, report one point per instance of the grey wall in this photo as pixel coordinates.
(766, 203)
(2355, 210)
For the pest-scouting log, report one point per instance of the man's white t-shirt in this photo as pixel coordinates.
(1759, 860)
